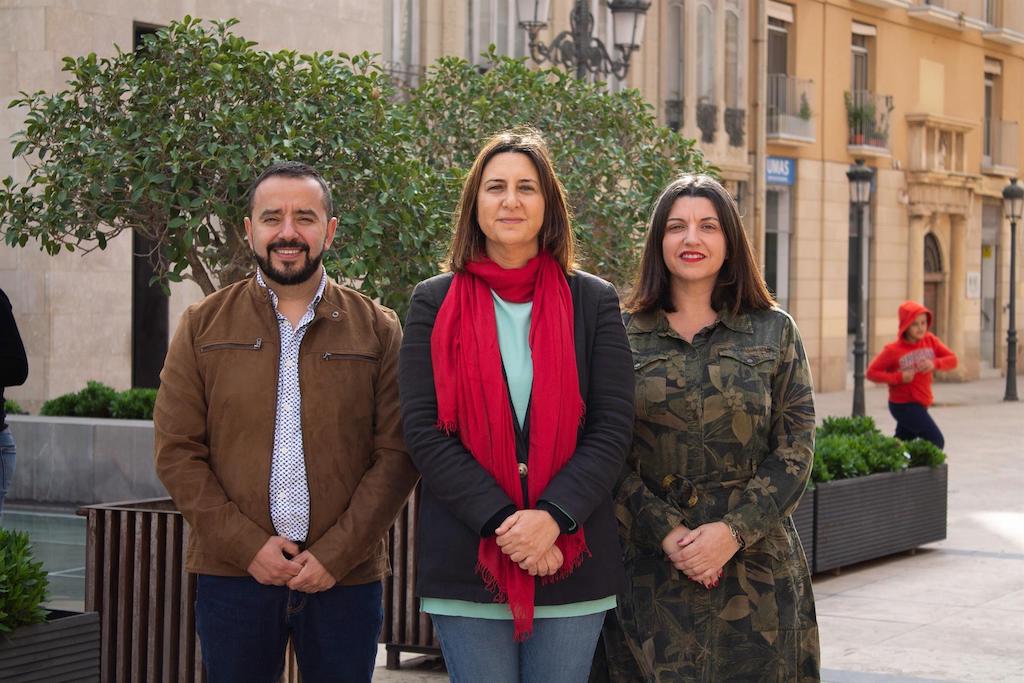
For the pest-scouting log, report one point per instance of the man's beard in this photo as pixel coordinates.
(292, 276)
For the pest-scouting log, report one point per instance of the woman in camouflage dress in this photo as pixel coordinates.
(719, 588)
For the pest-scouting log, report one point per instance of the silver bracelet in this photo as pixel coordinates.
(735, 535)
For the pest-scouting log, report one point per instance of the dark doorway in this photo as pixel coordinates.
(149, 303)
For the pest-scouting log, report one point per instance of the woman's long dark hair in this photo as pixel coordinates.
(739, 287)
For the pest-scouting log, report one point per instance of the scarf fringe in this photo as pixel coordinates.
(491, 583)
(446, 426)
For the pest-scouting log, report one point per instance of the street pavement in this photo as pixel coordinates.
(949, 611)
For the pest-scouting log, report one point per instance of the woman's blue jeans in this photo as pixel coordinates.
(6, 464)
(560, 650)
(244, 627)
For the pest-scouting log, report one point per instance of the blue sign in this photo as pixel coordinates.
(780, 170)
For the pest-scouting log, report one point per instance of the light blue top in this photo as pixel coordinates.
(513, 322)
(514, 342)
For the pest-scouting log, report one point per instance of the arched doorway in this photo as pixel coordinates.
(933, 280)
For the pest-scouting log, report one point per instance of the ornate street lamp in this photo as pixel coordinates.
(860, 195)
(578, 48)
(1013, 205)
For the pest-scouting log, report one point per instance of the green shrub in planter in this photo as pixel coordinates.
(848, 425)
(924, 453)
(841, 455)
(93, 401)
(99, 400)
(12, 408)
(134, 404)
(23, 583)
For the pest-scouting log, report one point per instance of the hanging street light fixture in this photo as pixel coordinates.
(578, 48)
(1013, 205)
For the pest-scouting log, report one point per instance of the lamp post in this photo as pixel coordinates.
(1013, 204)
(578, 48)
(859, 176)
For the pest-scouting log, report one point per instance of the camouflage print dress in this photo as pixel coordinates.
(724, 432)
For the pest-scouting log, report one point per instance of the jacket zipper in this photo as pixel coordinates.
(233, 345)
(349, 356)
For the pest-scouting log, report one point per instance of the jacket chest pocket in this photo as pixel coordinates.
(232, 345)
(364, 357)
(348, 373)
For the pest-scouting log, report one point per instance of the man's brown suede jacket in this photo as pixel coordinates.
(214, 425)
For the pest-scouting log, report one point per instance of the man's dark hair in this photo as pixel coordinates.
(293, 169)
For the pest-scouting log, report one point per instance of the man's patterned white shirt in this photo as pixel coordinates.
(289, 490)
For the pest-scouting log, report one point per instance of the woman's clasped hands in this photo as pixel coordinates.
(702, 552)
(528, 538)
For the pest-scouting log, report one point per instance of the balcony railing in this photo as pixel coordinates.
(789, 108)
(405, 77)
(674, 108)
(707, 120)
(735, 125)
(1001, 144)
(868, 115)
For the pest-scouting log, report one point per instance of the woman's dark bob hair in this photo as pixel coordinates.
(555, 236)
(739, 287)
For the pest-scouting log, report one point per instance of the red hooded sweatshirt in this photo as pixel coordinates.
(901, 355)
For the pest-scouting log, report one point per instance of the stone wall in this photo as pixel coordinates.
(77, 460)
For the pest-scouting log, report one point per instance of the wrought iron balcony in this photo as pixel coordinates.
(1001, 142)
(674, 113)
(868, 115)
(790, 117)
(735, 125)
(707, 120)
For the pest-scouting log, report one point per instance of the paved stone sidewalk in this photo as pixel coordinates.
(951, 611)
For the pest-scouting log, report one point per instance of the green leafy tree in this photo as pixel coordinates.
(166, 140)
(608, 149)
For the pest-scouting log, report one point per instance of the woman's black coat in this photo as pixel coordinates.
(459, 499)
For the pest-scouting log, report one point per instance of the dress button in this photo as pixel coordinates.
(692, 501)
(523, 470)
(666, 482)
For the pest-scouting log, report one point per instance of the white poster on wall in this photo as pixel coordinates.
(974, 285)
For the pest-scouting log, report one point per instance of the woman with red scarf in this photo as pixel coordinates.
(517, 404)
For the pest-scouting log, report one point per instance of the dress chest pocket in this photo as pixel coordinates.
(650, 372)
(741, 388)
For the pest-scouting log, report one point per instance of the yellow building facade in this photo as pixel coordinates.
(928, 94)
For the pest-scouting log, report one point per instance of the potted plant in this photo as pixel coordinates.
(805, 108)
(38, 644)
(874, 495)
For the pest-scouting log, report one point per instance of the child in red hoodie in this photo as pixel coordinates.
(906, 365)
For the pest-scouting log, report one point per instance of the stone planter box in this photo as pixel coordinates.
(66, 647)
(803, 520)
(80, 460)
(868, 517)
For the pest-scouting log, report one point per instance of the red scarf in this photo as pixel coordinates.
(472, 400)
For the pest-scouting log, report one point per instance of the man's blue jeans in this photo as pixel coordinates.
(6, 464)
(244, 627)
(485, 651)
